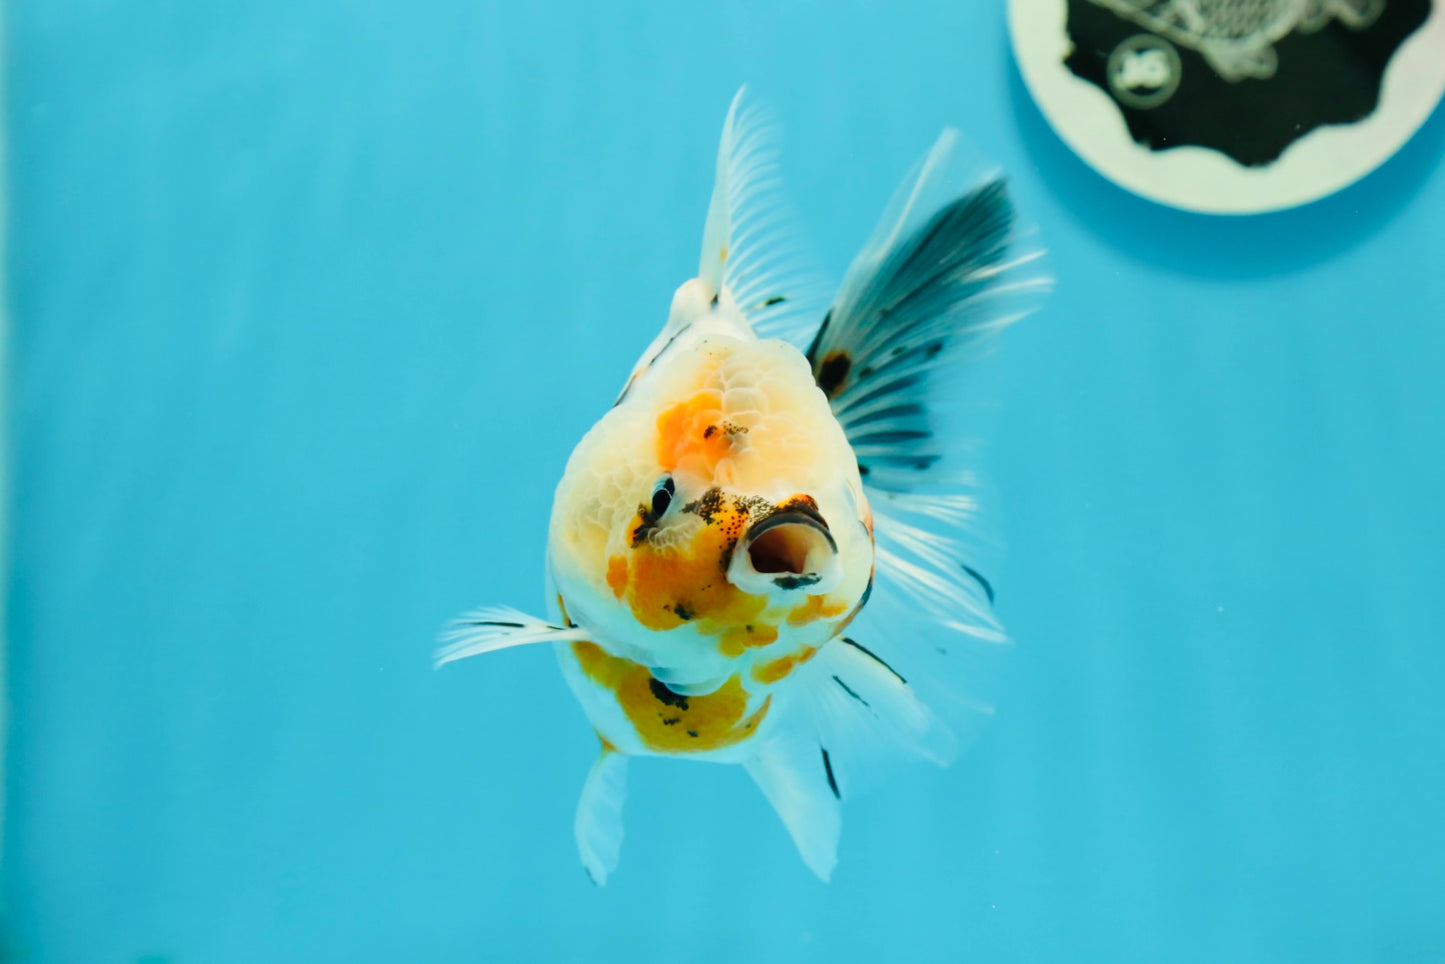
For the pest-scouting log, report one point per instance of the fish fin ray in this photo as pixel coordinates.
(598, 825)
(752, 247)
(492, 628)
(948, 267)
(792, 772)
(868, 716)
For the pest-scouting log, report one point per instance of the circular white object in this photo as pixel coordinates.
(1143, 72)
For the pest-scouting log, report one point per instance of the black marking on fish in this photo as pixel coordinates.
(750, 505)
(706, 506)
(774, 300)
(818, 338)
(709, 432)
(671, 721)
(862, 469)
(978, 577)
(850, 691)
(796, 582)
(805, 504)
(681, 611)
(875, 657)
(645, 527)
(692, 733)
(626, 389)
(867, 592)
(664, 695)
(800, 508)
(833, 373)
(713, 303)
(498, 622)
(828, 768)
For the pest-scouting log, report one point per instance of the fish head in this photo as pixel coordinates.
(715, 515)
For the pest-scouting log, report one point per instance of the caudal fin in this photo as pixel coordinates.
(949, 266)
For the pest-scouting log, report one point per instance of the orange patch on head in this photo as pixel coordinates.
(783, 667)
(665, 721)
(814, 608)
(692, 431)
(617, 575)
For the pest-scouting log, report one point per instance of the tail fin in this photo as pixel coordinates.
(948, 267)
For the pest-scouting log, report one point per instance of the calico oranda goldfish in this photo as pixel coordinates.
(716, 536)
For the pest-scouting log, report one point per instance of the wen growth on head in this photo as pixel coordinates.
(759, 555)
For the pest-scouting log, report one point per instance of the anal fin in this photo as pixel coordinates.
(599, 815)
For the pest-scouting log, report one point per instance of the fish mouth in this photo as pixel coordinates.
(789, 549)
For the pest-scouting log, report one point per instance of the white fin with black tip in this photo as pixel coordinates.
(946, 270)
(751, 247)
(599, 815)
(498, 627)
(867, 716)
(796, 776)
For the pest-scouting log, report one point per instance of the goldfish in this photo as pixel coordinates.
(759, 555)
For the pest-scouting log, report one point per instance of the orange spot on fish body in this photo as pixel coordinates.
(675, 584)
(617, 575)
(739, 639)
(782, 668)
(667, 722)
(814, 608)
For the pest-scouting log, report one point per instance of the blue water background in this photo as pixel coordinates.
(309, 304)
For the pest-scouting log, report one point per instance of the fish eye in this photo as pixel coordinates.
(662, 496)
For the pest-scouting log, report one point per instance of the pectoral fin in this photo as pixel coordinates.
(498, 627)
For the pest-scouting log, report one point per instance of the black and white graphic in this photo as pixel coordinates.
(1233, 106)
(1246, 77)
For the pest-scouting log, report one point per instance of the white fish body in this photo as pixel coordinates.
(712, 537)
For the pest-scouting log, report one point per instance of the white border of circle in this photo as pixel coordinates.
(1327, 160)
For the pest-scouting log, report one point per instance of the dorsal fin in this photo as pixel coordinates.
(750, 245)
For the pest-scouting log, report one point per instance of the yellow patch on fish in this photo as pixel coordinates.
(815, 608)
(740, 639)
(665, 721)
(782, 668)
